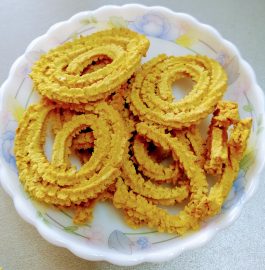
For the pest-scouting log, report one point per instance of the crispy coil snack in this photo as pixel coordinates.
(139, 211)
(55, 181)
(89, 68)
(152, 97)
(146, 187)
(134, 145)
(149, 166)
(225, 114)
(137, 205)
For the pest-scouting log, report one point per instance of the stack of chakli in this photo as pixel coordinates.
(138, 147)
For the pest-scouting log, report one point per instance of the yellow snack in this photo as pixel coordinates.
(56, 183)
(84, 212)
(152, 98)
(122, 122)
(146, 187)
(236, 147)
(142, 211)
(150, 168)
(225, 114)
(139, 211)
(63, 74)
(83, 141)
(193, 137)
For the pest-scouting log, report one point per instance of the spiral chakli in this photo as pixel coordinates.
(89, 68)
(140, 181)
(136, 203)
(149, 166)
(204, 201)
(57, 181)
(152, 98)
(136, 145)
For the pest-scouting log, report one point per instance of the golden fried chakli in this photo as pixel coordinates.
(225, 114)
(139, 211)
(54, 182)
(138, 208)
(83, 140)
(193, 137)
(65, 73)
(134, 143)
(152, 97)
(84, 211)
(151, 168)
(236, 146)
(151, 190)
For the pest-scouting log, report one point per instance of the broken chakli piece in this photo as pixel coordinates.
(137, 146)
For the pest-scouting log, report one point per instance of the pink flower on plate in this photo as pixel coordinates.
(239, 91)
(222, 58)
(24, 71)
(94, 235)
(184, 27)
(231, 64)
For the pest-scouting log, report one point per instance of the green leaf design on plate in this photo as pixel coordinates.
(259, 124)
(90, 20)
(259, 130)
(117, 22)
(247, 160)
(70, 229)
(41, 216)
(74, 35)
(260, 118)
(248, 108)
(46, 221)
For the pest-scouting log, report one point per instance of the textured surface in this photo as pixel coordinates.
(241, 246)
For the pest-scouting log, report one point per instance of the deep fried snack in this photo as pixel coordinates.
(152, 99)
(84, 211)
(137, 146)
(83, 140)
(194, 139)
(119, 101)
(145, 187)
(236, 147)
(149, 167)
(55, 120)
(139, 211)
(137, 207)
(65, 73)
(225, 114)
(55, 182)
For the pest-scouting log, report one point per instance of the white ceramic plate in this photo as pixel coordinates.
(108, 238)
